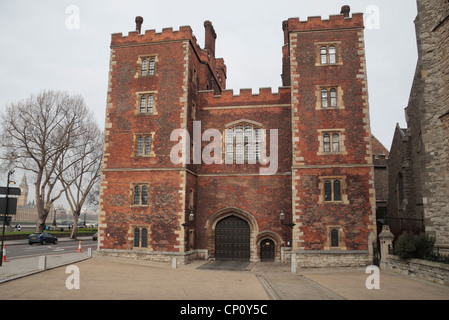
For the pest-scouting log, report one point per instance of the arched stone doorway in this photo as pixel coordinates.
(269, 245)
(250, 230)
(232, 239)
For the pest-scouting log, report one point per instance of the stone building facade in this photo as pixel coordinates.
(193, 171)
(380, 162)
(419, 157)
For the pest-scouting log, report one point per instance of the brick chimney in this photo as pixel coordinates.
(210, 38)
(345, 10)
(139, 21)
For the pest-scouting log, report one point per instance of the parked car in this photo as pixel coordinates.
(95, 236)
(42, 238)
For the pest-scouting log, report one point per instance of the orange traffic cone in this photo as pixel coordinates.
(4, 254)
(79, 247)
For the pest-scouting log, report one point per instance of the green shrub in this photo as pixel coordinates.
(410, 245)
(424, 246)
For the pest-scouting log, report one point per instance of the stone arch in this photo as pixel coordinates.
(273, 236)
(217, 216)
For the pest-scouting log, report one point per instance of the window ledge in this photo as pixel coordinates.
(329, 64)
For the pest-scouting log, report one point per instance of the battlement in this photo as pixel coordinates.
(167, 34)
(338, 21)
(246, 97)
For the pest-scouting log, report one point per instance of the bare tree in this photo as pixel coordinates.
(80, 180)
(36, 133)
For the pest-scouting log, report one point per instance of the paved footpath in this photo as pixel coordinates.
(109, 278)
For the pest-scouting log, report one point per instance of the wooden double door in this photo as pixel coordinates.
(232, 239)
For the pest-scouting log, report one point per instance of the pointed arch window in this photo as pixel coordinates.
(400, 189)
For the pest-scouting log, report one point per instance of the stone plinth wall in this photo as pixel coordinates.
(328, 259)
(157, 256)
(427, 270)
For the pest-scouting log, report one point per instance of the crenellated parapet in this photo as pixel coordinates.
(340, 21)
(150, 36)
(246, 97)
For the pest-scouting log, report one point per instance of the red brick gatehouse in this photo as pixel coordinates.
(319, 178)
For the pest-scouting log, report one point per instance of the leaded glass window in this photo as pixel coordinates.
(136, 237)
(333, 98)
(332, 55)
(147, 104)
(144, 67)
(323, 52)
(151, 67)
(147, 145)
(337, 190)
(324, 99)
(335, 142)
(327, 190)
(327, 142)
(243, 143)
(137, 195)
(334, 238)
(144, 237)
(144, 195)
(148, 66)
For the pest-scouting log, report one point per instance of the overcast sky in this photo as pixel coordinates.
(43, 46)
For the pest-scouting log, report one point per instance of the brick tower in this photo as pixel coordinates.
(332, 171)
(313, 194)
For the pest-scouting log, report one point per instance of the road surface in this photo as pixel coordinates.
(25, 250)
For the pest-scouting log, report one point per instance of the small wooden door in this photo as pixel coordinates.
(267, 250)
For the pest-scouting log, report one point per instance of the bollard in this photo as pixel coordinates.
(174, 263)
(4, 254)
(42, 264)
(79, 247)
(293, 263)
(89, 252)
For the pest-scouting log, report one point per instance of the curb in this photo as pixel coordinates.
(18, 276)
(268, 287)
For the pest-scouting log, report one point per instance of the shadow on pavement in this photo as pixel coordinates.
(233, 265)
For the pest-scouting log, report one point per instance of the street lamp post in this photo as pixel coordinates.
(6, 214)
